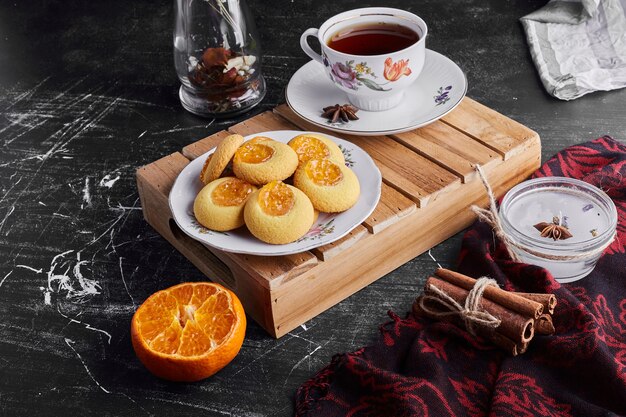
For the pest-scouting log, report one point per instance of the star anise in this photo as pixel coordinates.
(554, 230)
(344, 113)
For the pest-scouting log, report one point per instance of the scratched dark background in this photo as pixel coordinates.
(88, 93)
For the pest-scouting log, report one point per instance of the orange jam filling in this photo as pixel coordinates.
(323, 172)
(231, 192)
(254, 153)
(259, 139)
(276, 199)
(308, 147)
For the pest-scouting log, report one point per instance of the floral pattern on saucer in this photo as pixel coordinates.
(440, 87)
(442, 95)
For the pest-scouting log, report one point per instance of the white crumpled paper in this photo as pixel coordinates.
(578, 46)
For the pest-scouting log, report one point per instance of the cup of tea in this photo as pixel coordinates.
(373, 54)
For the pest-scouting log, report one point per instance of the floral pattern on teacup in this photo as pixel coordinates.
(395, 70)
(352, 76)
(344, 75)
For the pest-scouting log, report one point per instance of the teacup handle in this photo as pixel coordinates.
(305, 45)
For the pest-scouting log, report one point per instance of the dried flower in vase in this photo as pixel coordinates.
(224, 76)
(217, 57)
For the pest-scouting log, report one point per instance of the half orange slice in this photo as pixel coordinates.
(189, 331)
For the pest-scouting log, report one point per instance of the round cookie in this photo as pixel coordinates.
(278, 213)
(219, 205)
(315, 146)
(260, 161)
(218, 160)
(330, 186)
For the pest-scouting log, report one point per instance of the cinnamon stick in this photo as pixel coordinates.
(496, 338)
(502, 341)
(544, 324)
(547, 300)
(522, 347)
(513, 325)
(509, 300)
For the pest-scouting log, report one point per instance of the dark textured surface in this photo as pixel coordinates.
(88, 94)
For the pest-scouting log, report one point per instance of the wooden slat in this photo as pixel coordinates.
(278, 269)
(449, 148)
(489, 127)
(202, 146)
(391, 208)
(163, 172)
(327, 252)
(410, 173)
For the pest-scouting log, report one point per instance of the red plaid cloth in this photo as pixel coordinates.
(419, 367)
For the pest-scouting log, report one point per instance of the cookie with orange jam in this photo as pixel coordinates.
(331, 187)
(263, 160)
(219, 205)
(278, 213)
(217, 162)
(315, 146)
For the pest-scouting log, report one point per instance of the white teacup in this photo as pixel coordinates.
(392, 72)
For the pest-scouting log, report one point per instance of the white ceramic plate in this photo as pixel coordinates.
(438, 90)
(327, 228)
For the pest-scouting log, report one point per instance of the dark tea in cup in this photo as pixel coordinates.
(372, 39)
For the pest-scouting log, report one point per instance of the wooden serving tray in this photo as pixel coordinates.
(429, 183)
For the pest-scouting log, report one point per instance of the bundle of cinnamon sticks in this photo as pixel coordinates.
(520, 315)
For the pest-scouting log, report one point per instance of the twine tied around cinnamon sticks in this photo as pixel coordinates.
(470, 313)
(492, 218)
(505, 318)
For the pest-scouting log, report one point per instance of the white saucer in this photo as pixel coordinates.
(439, 89)
(327, 229)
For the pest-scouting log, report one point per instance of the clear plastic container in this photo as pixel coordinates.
(588, 212)
(217, 57)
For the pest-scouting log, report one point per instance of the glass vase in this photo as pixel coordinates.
(217, 57)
